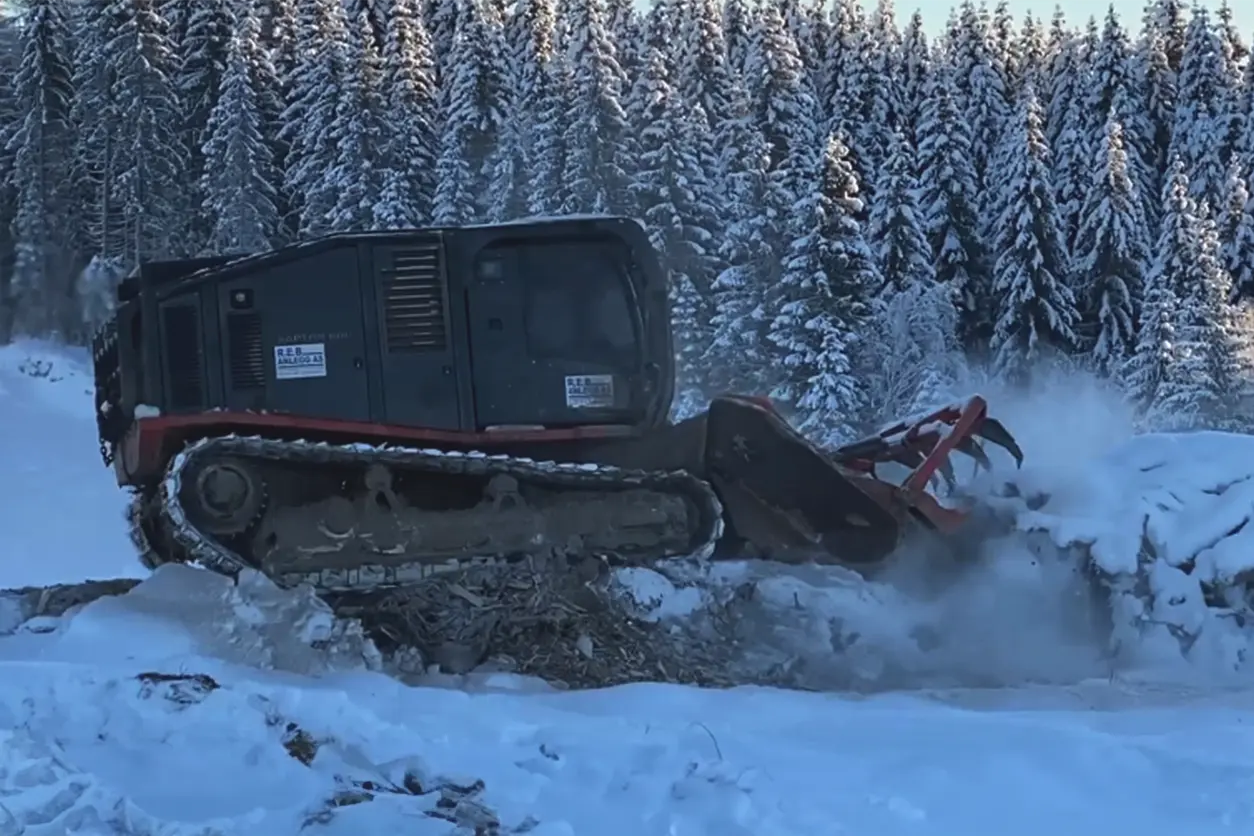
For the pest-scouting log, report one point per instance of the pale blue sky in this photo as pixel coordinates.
(935, 12)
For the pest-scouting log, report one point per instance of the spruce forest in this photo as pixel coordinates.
(858, 219)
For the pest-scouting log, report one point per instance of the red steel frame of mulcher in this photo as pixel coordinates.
(151, 442)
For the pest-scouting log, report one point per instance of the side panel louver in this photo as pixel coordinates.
(247, 352)
(414, 303)
(181, 324)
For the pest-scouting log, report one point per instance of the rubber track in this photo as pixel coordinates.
(194, 546)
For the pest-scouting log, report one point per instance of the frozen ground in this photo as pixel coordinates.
(194, 706)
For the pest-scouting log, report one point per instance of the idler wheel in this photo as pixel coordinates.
(226, 497)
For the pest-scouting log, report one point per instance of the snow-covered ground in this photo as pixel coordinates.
(191, 705)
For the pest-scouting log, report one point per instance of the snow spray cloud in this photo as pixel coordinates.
(1024, 610)
(1011, 609)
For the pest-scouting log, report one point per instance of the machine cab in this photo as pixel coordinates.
(540, 325)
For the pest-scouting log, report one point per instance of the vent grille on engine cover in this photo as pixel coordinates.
(182, 356)
(247, 353)
(414, 302)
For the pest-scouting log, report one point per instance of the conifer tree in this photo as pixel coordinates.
(673, 197)
(239, 177)
(456, 181)
(1036, 309)
(1150, 371)
(314, 91)
(38, 145)
(737, 358)
(596, 135)
(896, 228)
(1201, 388)
(1199, 129)
(152, 159)
(948, 202)
(821, 303)
(409, 146)
(1236, 230)
(1112, 254)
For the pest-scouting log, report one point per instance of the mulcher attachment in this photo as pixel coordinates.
(794, 501)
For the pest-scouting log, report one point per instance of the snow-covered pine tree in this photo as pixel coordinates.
(530, 38)
(882, 93)
(1236, 52)
(456, 181)
(737, 359)
(1202, 388)
(1199, 130)
(410, 143)
(738, 24)
(39, 144)
(913, 360)
(1065, 78)
(238, 178)
(1151, 367)
(1110, 69)
(1112, 254)
(8, 118)
(626, 29)
(813, 31)
(948, 194)
(442, 22)
(1034, 58)
(272, 68)
(820, 306)
(357, 131)
(314, 91)
(674, 200)
(1036, 308)
(493, 57)
(547, 188)
(1235, 55)
(596, 170)
(152, 160)
(1157, 78)
(784, 110)
(895, 231)
(1244, 147)
(1216, 322)
(199, 48)
(842, 97)
(986, 102)
(911, 356)
(1236, 230)
(93, 166)
(915, 73)
(704, 76)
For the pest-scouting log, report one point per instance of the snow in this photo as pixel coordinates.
(61, 500)
(194, 705)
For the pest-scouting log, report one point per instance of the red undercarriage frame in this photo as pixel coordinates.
(922, 444)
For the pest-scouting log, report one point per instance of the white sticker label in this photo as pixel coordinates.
(296, 361)
(589, 391)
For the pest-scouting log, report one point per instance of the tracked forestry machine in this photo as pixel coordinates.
(375, 410)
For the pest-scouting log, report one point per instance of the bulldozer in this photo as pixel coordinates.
(367, 411)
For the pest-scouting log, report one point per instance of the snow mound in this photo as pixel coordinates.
(182, 611)
(1164, 523)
